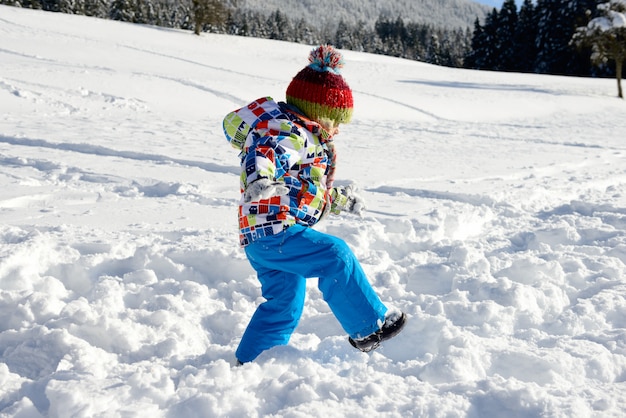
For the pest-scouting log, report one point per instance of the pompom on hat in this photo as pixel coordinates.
(319, 90)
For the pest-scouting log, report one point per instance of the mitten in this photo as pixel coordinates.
(264, 188)
(347, 199)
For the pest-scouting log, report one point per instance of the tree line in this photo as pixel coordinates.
(537, 38)
(567, 37)
(571, 37)
(390, 35)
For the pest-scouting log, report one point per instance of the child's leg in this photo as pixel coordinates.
(345, 286)
(275, 319)
(309, 253)
(349, 293)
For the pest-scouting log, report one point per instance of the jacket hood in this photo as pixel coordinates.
(239, 123)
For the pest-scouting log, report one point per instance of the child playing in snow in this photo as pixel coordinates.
(288, 164)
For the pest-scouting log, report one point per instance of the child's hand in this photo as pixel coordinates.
(347, 199)
(264, 189)
(355, 203)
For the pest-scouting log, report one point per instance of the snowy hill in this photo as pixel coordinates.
(496, 219)
(451, 14)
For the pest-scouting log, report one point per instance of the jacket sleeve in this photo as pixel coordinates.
(263, 160)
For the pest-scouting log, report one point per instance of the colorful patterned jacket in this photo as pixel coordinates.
(278, 143)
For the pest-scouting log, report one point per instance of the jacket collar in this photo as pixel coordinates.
(314, 127)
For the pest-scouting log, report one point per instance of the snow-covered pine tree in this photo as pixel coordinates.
(606, 34)
(123, 10)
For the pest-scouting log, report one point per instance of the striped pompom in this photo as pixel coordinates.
(326, 58)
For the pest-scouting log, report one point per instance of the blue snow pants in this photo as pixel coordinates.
(283, 262)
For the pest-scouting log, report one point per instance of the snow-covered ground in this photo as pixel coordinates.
(496, 219)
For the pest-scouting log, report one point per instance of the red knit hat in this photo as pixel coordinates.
(319, 90)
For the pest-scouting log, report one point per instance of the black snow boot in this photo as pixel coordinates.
(394, 323)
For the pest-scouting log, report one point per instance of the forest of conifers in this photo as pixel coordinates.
(534, 38)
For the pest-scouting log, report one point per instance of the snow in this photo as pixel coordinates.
(496, 219)
(614, 19)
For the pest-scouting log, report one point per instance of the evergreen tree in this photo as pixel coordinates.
(393, 34)
(459, 44)
(352, 37)
(607, 36)
(258, 26)
(434, 50)
(343, 36)
(525, 53)
(490, 42)
(505, 37)
(361, 35)
(556, 26)
(474, 58)
(418, 39)
(71, 6)
(579, 62)
(278, 26)
(122, 10)
(304, 34)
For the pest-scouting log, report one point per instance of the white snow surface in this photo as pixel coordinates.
(496, 220)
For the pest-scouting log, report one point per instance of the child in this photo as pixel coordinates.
(288, 164)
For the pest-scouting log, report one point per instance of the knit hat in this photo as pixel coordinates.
(319, 90)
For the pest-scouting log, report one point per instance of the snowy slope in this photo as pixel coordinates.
(496, 219)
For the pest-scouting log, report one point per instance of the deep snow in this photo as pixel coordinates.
(496, 219)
